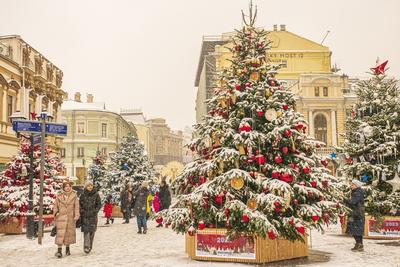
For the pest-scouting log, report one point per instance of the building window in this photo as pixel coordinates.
(104, 130)
(62, 152)
(81, 152)
(10, 106)
(321, 128)
(81, 127)
(316, 91)
(104, 151)
(325, 91)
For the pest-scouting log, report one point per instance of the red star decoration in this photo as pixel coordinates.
(33, 115)
(380, 69)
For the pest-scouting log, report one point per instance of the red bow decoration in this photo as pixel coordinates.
(33, 115)
(380, 69)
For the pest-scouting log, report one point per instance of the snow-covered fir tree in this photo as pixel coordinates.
(372, 142)
(257, 172)
(14, 182)
(129, 164)
(97, 171)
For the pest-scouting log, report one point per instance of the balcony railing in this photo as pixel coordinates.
(324, 151)
(5, 128)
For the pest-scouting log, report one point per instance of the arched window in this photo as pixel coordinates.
(320, 128)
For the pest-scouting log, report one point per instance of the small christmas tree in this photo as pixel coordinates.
(373, 142)
(14, 182)
(256, 173)
(129, 164)
(97, 171)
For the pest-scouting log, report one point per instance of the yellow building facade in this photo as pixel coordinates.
(323, 97)
(29, 82)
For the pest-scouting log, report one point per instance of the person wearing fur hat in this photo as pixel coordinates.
(66, 213)
(90, 204)
(356, 218)
(141, 203)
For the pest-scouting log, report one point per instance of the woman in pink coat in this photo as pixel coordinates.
(156, 205)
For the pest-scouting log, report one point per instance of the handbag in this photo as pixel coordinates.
(78, 223)
(53, 231)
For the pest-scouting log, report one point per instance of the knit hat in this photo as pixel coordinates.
(88, 182)
(357, 183)
(67, 182)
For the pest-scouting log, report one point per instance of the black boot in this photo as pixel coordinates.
(108, 221)
(356, 247)
(59, 253)
(67, 252)
(112, 220)
(140, 231)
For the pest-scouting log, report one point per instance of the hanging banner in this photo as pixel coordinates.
(389, 228)
(219, 246)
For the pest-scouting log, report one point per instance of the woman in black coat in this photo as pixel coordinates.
(126, 203)
(164, 197)
(90, 204)
(356, 218)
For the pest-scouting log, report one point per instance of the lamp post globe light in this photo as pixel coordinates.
(30, 225)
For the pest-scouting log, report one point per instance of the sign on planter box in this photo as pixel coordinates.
(389, 228)
(219, 246)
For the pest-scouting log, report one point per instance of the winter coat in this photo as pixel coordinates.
(66, 213)
(149, 203)
(356, 218)
(107, 210)
(156, 203)
(164, 197)
(125, 202)
(90, 204)
(141, 202)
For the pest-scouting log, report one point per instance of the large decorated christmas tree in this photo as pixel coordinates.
(373, 142)
(97, 171)
(14, 182)
(256, 170)
(128, 165)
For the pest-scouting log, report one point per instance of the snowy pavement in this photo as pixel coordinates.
(119, 245)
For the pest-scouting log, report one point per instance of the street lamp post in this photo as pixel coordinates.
(30, 225)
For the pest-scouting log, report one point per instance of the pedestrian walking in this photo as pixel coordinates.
(126, 202)
(356, 218)
(66, 213)
(90, 205)
(107, 209)
(164, 197)
(141, 207)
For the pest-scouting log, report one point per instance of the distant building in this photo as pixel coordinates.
(91, 128)
(144, 132)
(29, 82)
(168, 144)
(188, 155)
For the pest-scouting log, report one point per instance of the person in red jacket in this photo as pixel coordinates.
(107, 209)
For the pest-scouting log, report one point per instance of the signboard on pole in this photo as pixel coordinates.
(56, 128)
(37, 139)
(27, 126)
(35, 127)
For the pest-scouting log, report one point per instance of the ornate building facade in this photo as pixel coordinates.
(91, 128)
(323, 96)
(29, 82)
(168, 144)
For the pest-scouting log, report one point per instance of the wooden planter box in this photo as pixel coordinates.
(390, 228)
(116, 212)
(212, 245)
(17, 225)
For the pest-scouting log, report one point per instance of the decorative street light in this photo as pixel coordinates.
(30, 225)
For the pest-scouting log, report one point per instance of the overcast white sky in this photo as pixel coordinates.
(144, 54)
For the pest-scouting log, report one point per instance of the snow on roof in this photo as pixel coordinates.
(74, 105)
(137, 118)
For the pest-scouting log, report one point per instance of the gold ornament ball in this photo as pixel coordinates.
(237, 183)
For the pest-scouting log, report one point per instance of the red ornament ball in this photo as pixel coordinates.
(275, 174)
(313, 183)
(324, 162)
(159, 220)
(285, 107)
(287, 133)
(245, 218)
(315, 218)
(238, 87)
(218, 200)
(300, 229)
(285, 150)
(306, 170)
(201, 225)
(278, 159)
(271, 235)
(260, 114)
